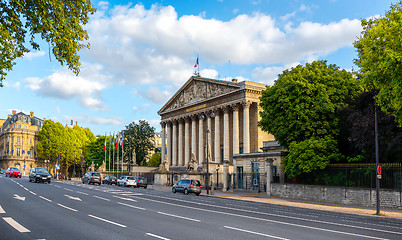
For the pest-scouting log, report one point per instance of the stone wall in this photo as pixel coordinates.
(338, 195)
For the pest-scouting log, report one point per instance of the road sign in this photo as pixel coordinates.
(57, 166)
(379, 170)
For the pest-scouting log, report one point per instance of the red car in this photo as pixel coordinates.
(13, 172)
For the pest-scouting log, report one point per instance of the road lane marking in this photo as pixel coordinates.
(127, 199)
(82, 193)
(256, 233)
(15, 225)
(278, 215)
(32, 193)
(117, 224)
(176, 216)
(2, 210)
(71, 209)
(19, 198)
(73, 198)
(156, 236)
(269, 220)
(45, 199)
(68, 189)
(124, 204)
(101, 198)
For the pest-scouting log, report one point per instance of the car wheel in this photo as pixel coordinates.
(185, 191)
(145, 187)
(30, 180)
(174, 190)
(198, 194)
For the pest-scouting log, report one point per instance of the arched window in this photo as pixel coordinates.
(18, 139)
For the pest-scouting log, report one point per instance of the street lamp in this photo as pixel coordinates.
(217, 177)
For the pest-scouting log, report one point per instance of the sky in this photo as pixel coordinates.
(141, 53)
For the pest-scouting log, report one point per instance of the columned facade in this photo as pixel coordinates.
(220, 113)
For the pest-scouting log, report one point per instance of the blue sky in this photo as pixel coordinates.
(143, 52)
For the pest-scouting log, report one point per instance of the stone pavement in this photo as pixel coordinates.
(261, 197)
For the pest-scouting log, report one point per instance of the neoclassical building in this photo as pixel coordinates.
(18, 139)
(214, 118)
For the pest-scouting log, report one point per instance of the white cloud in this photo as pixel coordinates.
(268, 75)
(16, 85)
(31, 54)
(63, 84)
(155, 94)
(94, 120)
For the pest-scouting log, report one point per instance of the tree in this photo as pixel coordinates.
(96, 153)
(138, 138)
(155, 160)
(379, 50)
(302, 111)
(58, 22)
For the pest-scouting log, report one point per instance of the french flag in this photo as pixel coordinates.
(196, 63)
(104, 147)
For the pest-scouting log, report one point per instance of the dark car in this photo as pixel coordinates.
(92, 177)
(187, 186)
(141, 182)
(13, 172)
(39, 174)
(109, 179)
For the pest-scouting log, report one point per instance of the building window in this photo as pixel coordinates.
(31, 141)
(25, 126)
(19, 126)
(18, 152)
(8, 138)
(18, 139)
(241, 150)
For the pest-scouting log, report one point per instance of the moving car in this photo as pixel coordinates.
(3, 171)
(187, 186)
(126, 181)
(141, 182)
(109, 179)
(39, 174)
(92, 177)
(13, 172)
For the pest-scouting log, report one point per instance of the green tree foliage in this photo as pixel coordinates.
(70, 143)
(357, 127)
(138, 140)
(302, 109)
(58, 22)
(379, 50)
(155, 160)
(96, 153)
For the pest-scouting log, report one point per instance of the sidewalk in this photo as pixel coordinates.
(261, 197)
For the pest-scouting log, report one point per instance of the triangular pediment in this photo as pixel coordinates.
(198, 89)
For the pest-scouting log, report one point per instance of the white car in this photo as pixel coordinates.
(126, 181)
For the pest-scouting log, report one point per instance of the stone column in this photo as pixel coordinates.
(217, 138)
(236, 149)
(174, 141)
(209, 126)
(281, 172)
(181, 150)
(200, 140)
(268, 167)
(246, 126)
(225, 147)
(169, 143)
(163, 150)
(193, 136)
(186, 141)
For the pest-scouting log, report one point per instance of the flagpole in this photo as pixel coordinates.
(109, 149)
(117, 150)
(113, 153)
(122, 150)
(198, 64)
(104, 150)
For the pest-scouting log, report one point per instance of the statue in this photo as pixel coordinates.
(192, 165)
(164, 166)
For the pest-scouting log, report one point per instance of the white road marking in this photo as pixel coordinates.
(256, 233)
(19, 198)
(156, 236)
(124, 204)
(32, 193)
(2, 210)
(71, 209)
(15, 225)
(68, 189)
(73, 198)
(274, 221)
(82, 193)
(176, 216)
(102, 198)
(117, 224)
(127, 199)
(45, 199)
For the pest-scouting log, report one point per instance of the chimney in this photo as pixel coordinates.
(234, 80)
(14, 112)
(72, 122)
(31, 114)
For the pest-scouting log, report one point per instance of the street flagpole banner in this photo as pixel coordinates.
(104, 149)
(110, 137)
(117, 153)
(113, 152)
(121, 144)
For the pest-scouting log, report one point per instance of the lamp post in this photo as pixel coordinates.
(378, 172)
(217, 177)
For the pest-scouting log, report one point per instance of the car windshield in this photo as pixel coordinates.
(131, 178)
(41, 170)
(95, 174)
(14, 169)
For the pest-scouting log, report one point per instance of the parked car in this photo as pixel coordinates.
(109, 179)
(13, 172)
(141, 182)
(187, 186)
(39, 174)
(92, 177)
(3, 171)
(126, 181)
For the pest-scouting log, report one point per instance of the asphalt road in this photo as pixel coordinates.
(71, 210)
